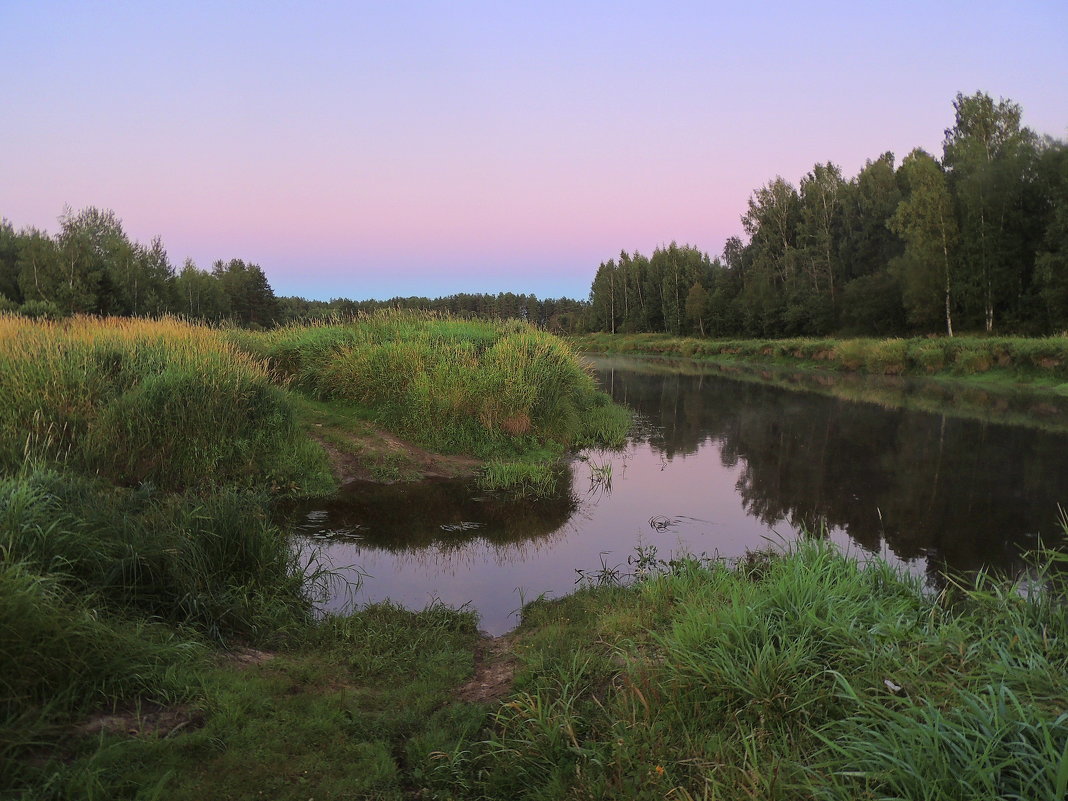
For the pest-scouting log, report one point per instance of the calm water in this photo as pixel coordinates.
(715, 466)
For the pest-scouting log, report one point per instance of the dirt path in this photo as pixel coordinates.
(375, 455)
(495, 666)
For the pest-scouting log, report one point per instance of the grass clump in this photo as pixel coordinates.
(111, 599)
(485, 388)
(211, 561)
(155, 401)
(538, 477)
(804, 675)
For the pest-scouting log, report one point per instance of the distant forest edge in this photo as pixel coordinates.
(92, 267)
(976, 241)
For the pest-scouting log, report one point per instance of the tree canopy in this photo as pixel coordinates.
(975, 241)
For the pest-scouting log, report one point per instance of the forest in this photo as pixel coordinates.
(976, 241)
(91, 266)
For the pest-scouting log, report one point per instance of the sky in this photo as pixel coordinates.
(381, 149)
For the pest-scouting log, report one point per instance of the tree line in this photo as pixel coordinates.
(560, 315)
(975, 241)
(91, 266)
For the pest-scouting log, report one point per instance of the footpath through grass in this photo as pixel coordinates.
(1013, 359)
(804, 676)
(139, 462)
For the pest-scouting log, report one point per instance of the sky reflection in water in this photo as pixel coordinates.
(716, 466)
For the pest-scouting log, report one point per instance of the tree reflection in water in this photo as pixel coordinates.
(964, 493)
(717, 465)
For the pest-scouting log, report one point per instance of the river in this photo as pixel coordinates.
(714, 466)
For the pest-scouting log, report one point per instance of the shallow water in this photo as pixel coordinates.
(715, 466)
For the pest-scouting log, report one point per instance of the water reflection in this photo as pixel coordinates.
(715, 466)
(444, 515)
(960, 492)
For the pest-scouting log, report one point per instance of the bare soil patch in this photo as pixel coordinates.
(146, 721)
(376, 455)
(495, 666)
(247, 657)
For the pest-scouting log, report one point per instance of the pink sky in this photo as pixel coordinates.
(380, 149)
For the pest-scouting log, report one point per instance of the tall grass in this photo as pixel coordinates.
(157, 401)
(487, 388)
(110, 596)
(210, 561)
(781, 677)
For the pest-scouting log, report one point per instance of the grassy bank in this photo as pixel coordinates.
(113, 599)
(177, 405)
(156, 401)
(780, 677)
(157, 639)
(479, 387)
(797, 677)
(1015, 359)
(1027, 405)
(139, 462)
(503, 391)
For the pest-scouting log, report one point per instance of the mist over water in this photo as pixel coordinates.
(714, 466)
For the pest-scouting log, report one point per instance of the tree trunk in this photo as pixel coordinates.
(945, 258)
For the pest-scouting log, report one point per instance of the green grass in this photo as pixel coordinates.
(804, 675)
(211, 561)
(345, 711)
(489, 389)
(142, 401)
(139, 461)
(111, 597)
(539, 475)
(1018, 358)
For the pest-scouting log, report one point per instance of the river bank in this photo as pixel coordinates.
(140, 461)
(158, 636)
(992, 360)
(778, 676)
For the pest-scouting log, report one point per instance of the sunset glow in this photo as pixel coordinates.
(380, 149)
